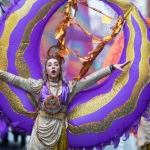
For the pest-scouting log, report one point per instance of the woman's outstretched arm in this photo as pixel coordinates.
(77, 86)
(29, 85)
(86, 82)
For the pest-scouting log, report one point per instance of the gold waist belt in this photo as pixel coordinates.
(57, 115)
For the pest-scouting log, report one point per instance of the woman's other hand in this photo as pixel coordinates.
(121, 66)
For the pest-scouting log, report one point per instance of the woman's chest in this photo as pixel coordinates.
(61, 92)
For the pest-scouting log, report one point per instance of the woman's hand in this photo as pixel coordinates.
(121, 66)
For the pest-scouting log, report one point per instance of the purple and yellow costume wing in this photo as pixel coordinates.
(96, 116)
(21, 29)
(103, 114)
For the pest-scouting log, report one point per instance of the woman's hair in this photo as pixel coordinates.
(52, 54)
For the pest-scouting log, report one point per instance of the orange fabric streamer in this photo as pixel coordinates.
(92, 56)
(61, 35)
(114, 53)
(148, 21)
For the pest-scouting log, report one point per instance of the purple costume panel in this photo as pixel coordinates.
(97, 116)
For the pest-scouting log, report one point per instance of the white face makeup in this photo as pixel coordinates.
(53, 69)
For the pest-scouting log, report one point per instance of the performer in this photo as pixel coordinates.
(53, 95)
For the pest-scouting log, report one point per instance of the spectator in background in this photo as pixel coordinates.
(23, 138)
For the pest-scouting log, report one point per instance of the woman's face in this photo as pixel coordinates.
(53, 69)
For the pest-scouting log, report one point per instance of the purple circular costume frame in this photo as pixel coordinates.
(111, 120)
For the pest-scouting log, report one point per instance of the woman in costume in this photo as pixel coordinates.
(115, 104)
(53, 96)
